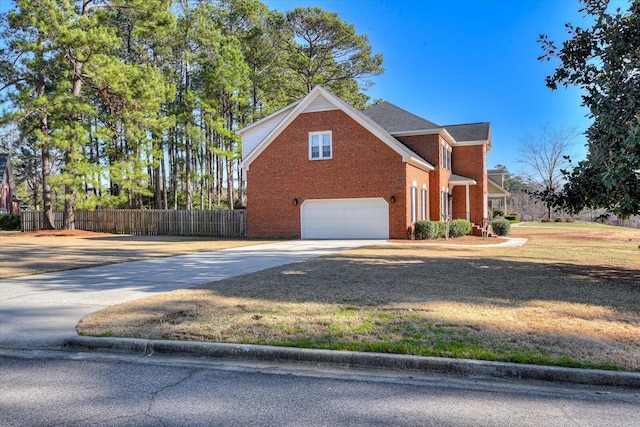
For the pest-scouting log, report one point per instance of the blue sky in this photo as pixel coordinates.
(464, 61)
(469, 61)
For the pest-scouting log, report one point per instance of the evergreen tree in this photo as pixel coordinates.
(324, 50)
(140, 99)
(604, 61)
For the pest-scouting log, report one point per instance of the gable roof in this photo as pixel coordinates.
(328, 100)
(496, 190)
(394, 119)
(470, 132)
(267, 118)
(398, 122)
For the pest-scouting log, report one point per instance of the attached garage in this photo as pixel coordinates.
(345, 219)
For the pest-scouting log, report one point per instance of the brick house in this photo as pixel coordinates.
(318, 168)
(9, 200)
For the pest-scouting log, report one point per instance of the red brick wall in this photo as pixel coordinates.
(420, 177)
(428, 147)
(425, 145)
(469, 161)
(361, 166)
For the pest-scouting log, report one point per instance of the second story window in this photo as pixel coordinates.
(320, 145)
(445, 159)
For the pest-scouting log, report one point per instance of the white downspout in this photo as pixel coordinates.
(467, 203)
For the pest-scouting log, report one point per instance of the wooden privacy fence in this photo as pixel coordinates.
(219, 223)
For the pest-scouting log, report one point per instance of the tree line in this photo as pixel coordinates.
(135, 103)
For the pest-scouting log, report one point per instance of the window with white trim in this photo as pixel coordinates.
(444, 205)
(445, 156)
(320, 145)
(414, 204)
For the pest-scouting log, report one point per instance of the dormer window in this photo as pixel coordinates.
(320, 145)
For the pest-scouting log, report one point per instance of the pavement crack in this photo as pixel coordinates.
(155, 394)
(568, 416)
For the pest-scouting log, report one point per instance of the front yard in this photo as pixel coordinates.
(39, 252)
(569, 297)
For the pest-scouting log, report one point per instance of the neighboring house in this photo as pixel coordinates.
(9, 201)
(318, 168)
(497, 194)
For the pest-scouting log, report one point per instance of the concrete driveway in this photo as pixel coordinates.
(42, 311)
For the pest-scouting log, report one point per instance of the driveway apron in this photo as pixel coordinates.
(42, 311)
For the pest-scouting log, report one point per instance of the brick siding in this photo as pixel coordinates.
(361, 167)
(468, 161)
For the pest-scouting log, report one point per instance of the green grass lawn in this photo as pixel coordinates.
(569, 297)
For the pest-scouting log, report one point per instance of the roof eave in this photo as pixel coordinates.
(478, 142)
(295, 107)
(441, 131)
(301, 105)
(419, 163)
(464, 182)
(267, 118)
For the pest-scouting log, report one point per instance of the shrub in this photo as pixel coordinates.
(501, 227)
(498, 213)
(512, 218)
(427, 230)
(9, 222)
(442, 228)
(545, 220)
(560, 219)
(420, 230)
(459, 228)
(569, 219)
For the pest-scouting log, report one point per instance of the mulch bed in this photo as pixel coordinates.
(54, 233)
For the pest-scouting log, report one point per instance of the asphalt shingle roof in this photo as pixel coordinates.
(469, 132)
(394, 119)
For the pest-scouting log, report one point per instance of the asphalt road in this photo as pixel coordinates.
(46, 388)
(56, 388)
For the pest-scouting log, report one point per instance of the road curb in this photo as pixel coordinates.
(348, 359)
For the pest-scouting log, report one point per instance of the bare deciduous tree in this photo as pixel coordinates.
(544, 158)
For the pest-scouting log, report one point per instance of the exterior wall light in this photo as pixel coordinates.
(392, 199)
(295, 202)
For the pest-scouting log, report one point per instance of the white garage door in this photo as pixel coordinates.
(345, 219)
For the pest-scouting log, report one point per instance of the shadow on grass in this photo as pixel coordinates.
(464, 307)
(160, 239)
(371, 280)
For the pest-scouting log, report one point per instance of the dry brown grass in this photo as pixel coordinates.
(569, 297)
(44, 251)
